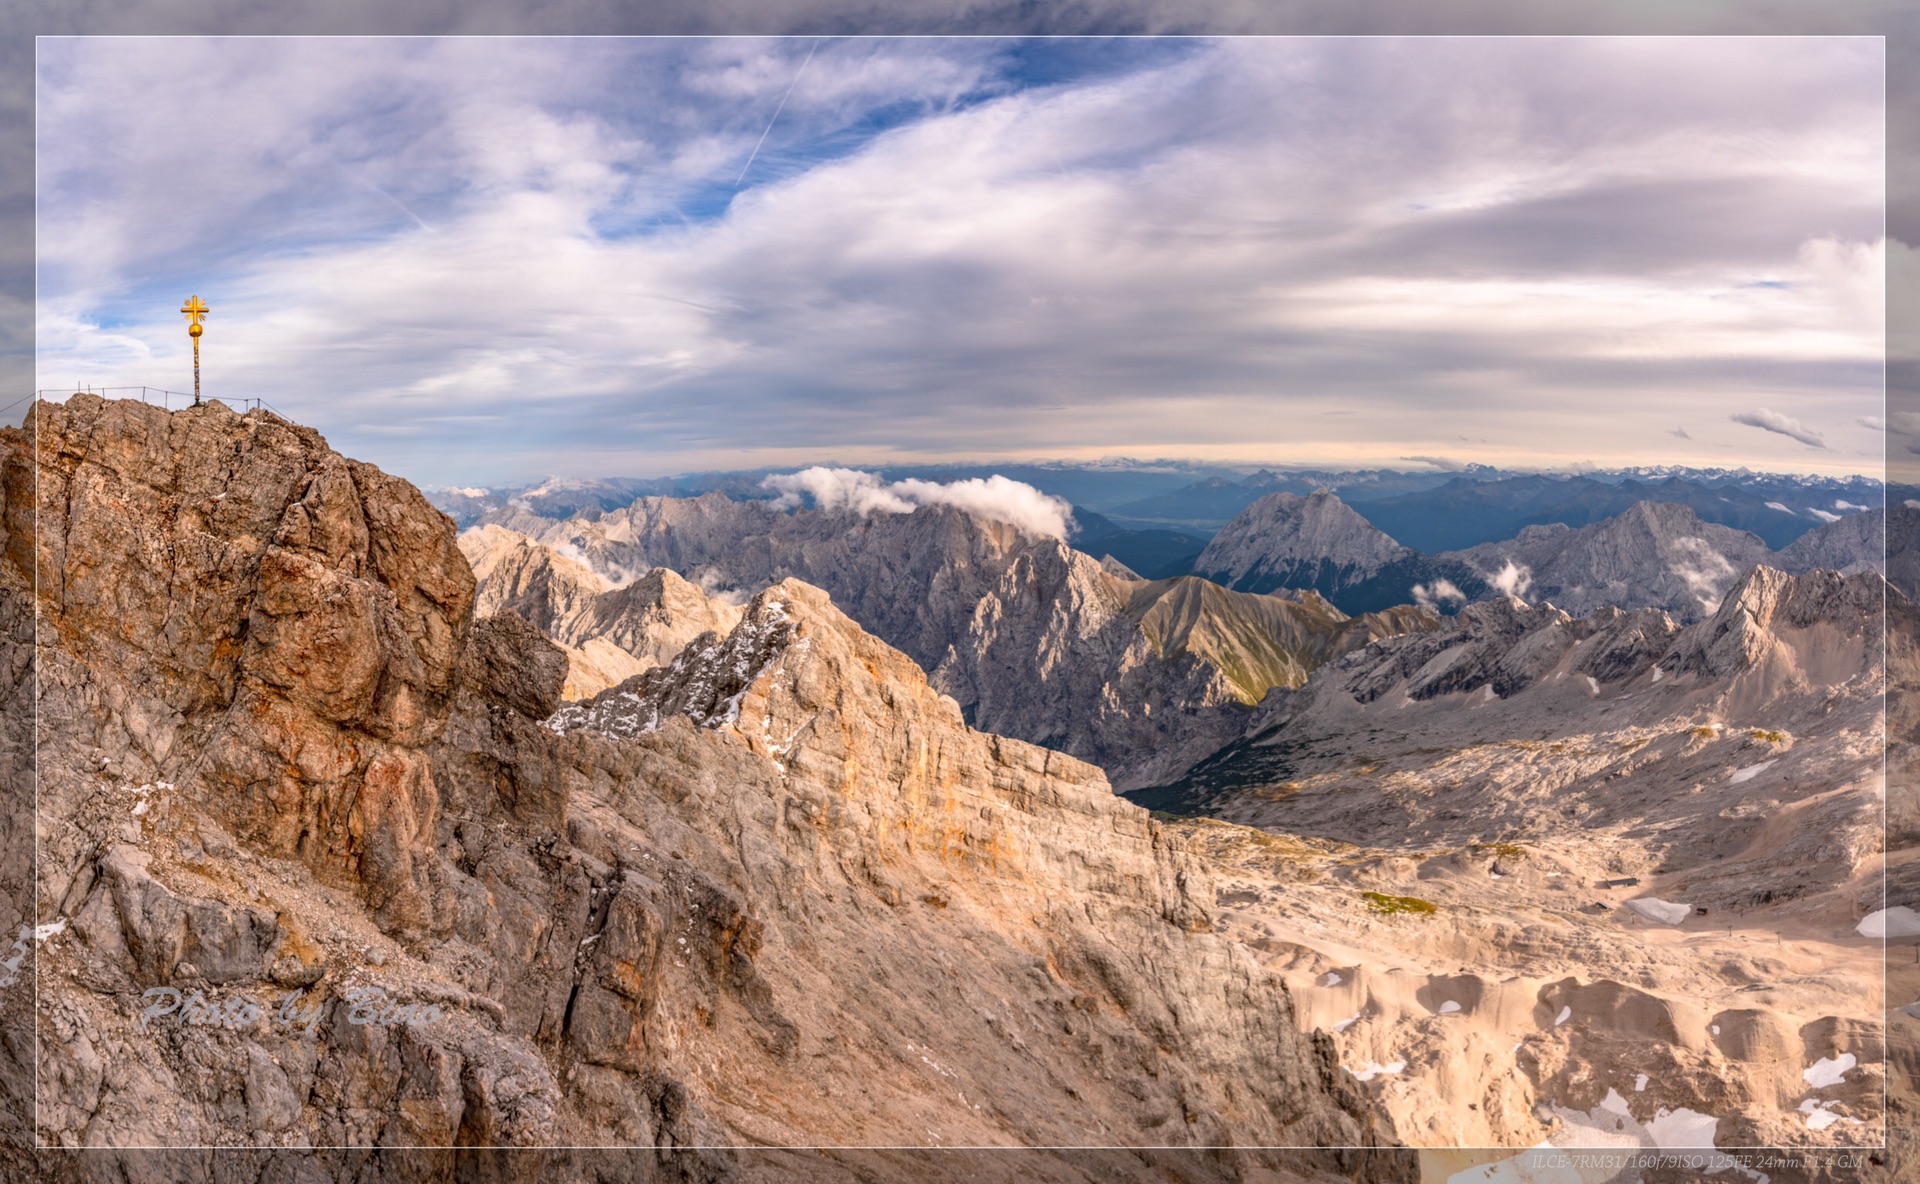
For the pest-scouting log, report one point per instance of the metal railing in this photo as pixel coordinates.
(146, 394)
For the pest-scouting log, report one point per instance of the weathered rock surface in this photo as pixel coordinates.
(18, 840)
(1504, 786)
(1857, 542)
(609, 633)
(1032, 638)
(1652, 556)
(228, 587)
(1319, 543)
(803, 904)
(1142, 677)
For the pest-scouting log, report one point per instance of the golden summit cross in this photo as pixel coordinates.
(195, 311)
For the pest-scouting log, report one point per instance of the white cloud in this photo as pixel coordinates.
(1704, 570)
(1442, 591)
(1773, 421)
(998, 498)
(713, 586)
(836, 489)
(1512, 580)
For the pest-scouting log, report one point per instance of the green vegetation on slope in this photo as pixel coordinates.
(1258, 641)
(1388, 906)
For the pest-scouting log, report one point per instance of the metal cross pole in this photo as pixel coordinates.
(195, 311)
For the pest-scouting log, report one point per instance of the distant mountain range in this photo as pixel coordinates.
(1672, 540)
(1446, 512)
(1463, 513)
(1650, 555)
(1156, 518)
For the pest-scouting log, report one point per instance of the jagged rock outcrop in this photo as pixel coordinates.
(1142, 677)
(1781, 652)
(229, 586)
(18, 838)
(315, 873)
(1652, 556)
(1789, 632)
(1857, 542)
(908, 578)
(608, 633)
(1319, 543)
(1506, 646)
(1031, 637)
(514, 574)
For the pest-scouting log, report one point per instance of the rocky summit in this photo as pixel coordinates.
(1319, 543)
(1652, 555)
(324, 863)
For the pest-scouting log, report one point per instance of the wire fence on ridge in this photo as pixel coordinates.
(146, 394)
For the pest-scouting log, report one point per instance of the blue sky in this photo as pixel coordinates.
(484, 260)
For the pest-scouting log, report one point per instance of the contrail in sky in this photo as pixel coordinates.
(776, 114)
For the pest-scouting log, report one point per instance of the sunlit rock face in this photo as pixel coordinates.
(609, 632)
(326, 861)
(1031, 637)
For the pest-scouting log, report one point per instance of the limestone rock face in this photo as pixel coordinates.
(512, 663)
(1288, 544)
(318, 870)
(952, 836)
(1142, 677)
(1797, 630)
(1654, 555)
(1285, 540)
(906, 577)
(1857, 542)
(229, 586)
(1032, 638)
(607, 632)
(513, 574)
